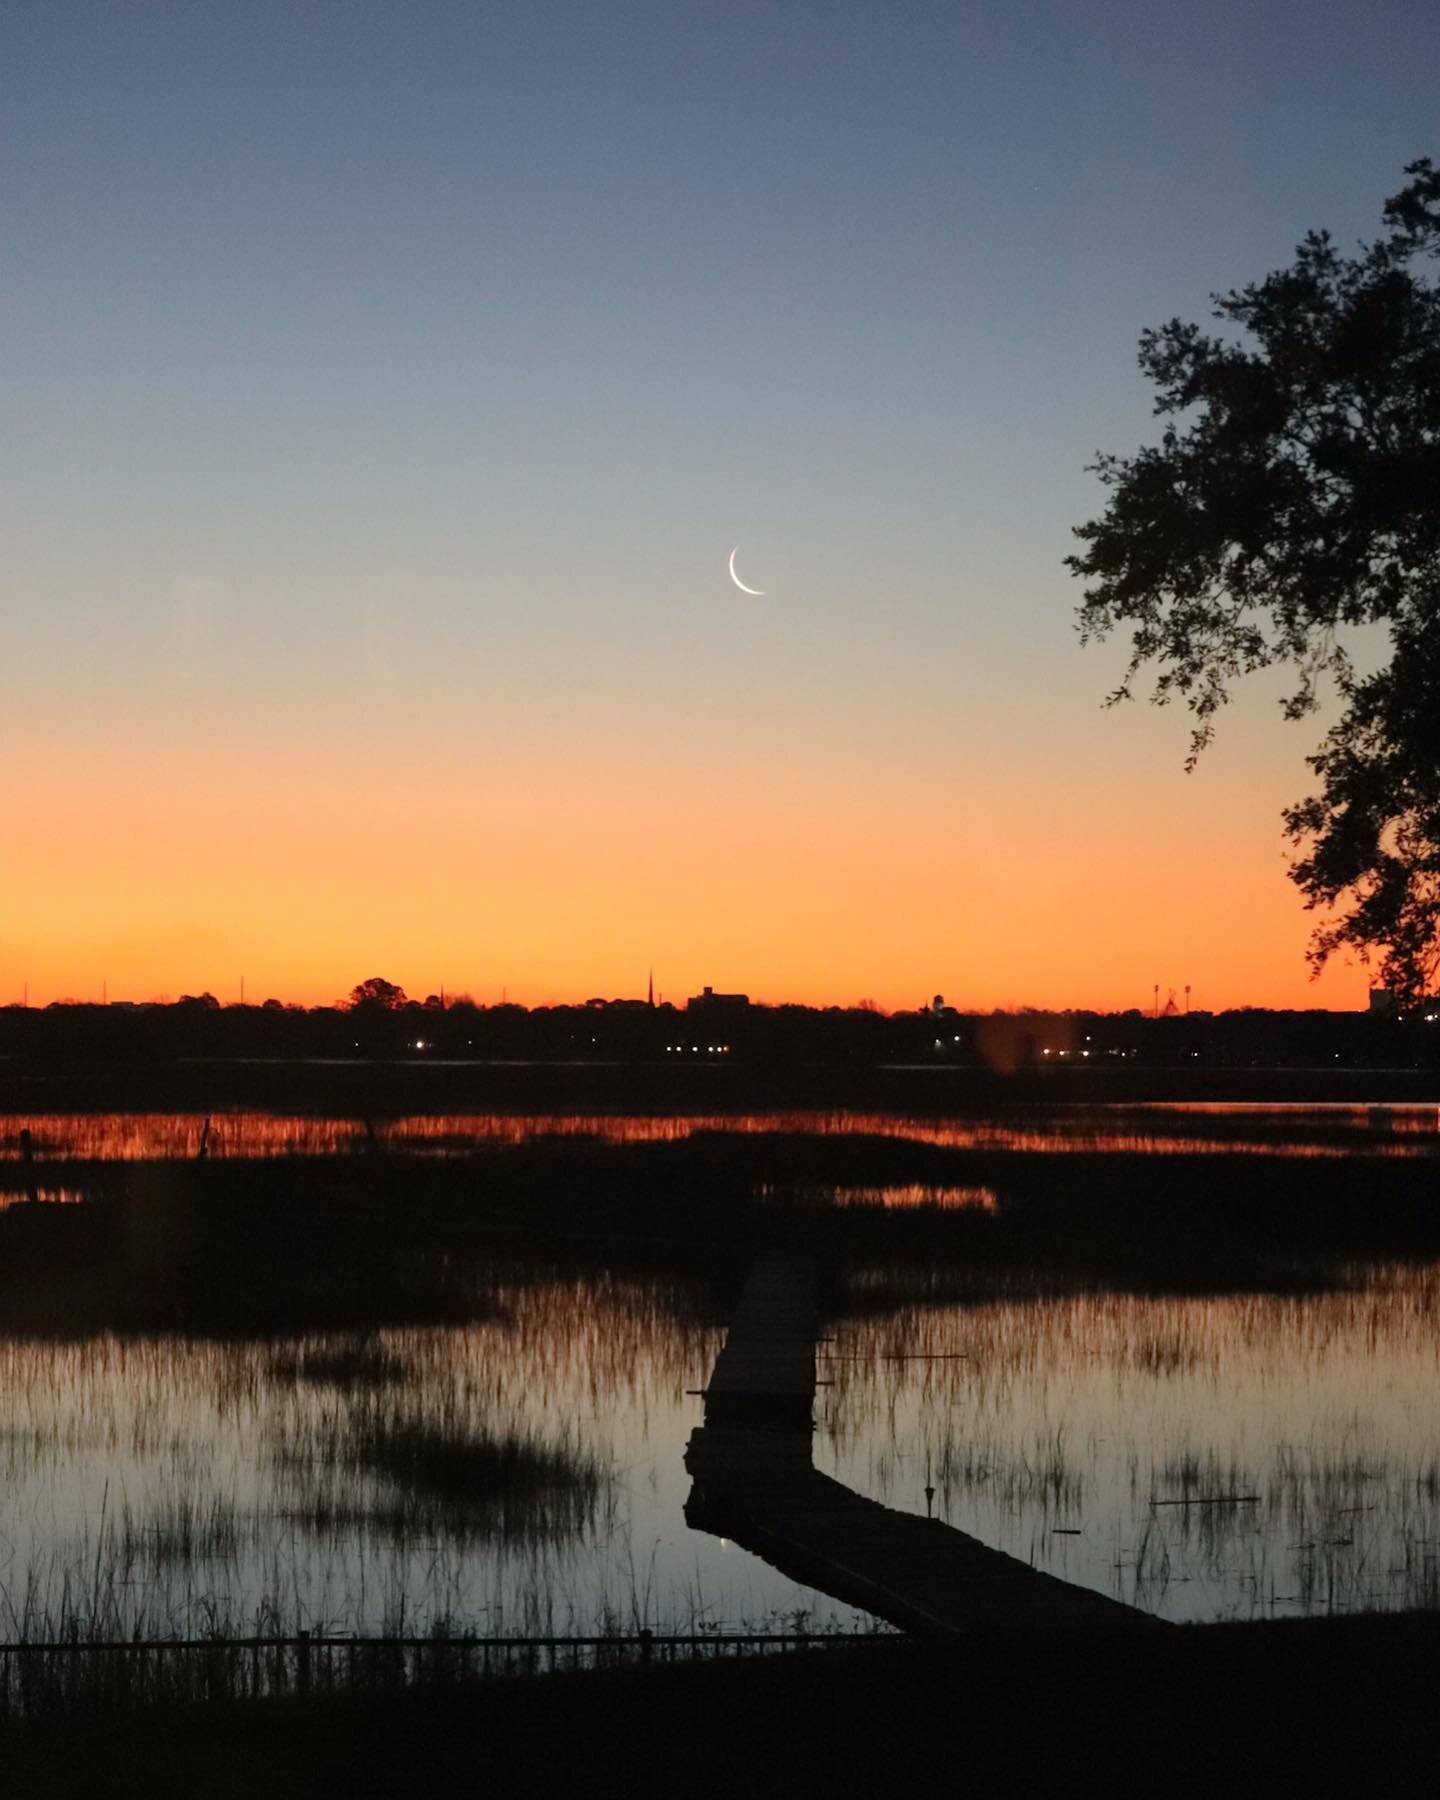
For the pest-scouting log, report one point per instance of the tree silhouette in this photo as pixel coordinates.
(1299, 500)
(377, 995)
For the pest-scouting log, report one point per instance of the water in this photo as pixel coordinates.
(1227, 1456)
(1232, 1456)
(1329, 1131)
(106, 1445)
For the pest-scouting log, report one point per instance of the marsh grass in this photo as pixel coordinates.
(907, 1196)
(392, 1470)
(347, 1363)
(1164, 1356)
(492, 1470)
(166, 1484)
(1259, 1131)
(1219, 1456)
(472, 1469)
(293, 1224)
(182, 1529)
(1040, 1474)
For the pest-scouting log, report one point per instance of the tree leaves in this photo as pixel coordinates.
(1294, 496)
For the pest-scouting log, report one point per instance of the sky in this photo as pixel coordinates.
(388, 384)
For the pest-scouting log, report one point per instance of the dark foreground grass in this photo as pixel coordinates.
(1331, 1707)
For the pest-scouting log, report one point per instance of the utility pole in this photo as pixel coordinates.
(1187, 999)
(1155, 1003)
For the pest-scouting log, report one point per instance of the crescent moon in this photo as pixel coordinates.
(759, 593)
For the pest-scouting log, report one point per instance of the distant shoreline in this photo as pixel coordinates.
(391, 1086)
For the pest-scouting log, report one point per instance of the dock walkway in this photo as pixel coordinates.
(755, 1482)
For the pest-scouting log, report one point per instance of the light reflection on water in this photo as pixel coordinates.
(47, 1196)
(1229, 1456)
(1243, 1130)
(168, 1484)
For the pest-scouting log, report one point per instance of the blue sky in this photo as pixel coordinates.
(402, 375)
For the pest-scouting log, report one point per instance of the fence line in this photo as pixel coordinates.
(316, 1640)
(74, 1674)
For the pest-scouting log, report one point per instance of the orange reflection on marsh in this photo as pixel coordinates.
(1310, 1131)
(907, 1196)
(46, 1196)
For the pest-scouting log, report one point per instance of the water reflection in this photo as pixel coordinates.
(1202, 1128)
(161, 1485)
(44, 1195)
(1232, 1456)
(896, 1197)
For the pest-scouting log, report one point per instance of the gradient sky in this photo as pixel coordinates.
(386, 385)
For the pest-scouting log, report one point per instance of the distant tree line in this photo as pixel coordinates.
(378, 1020)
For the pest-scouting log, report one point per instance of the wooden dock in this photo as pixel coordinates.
(755, 1483)
(765, 1374)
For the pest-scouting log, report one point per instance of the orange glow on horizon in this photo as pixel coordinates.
(551, 879)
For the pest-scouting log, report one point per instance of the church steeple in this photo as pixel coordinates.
(650, 997)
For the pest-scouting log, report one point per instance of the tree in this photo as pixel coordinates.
(377, 995)
(1293, 499)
